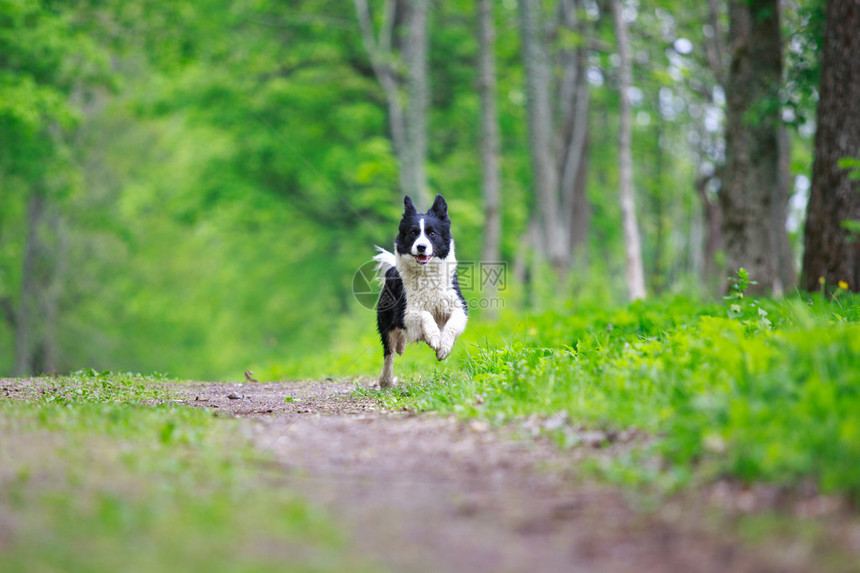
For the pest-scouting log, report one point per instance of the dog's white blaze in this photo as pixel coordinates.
(422, 240)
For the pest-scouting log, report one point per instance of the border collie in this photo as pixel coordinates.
(420, 299)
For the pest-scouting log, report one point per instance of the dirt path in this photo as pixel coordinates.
(429, 493)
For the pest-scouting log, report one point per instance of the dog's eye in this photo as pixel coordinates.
(432, 233)
(414, 233)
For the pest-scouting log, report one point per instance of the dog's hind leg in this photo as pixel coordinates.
(398, 340)
(386, 378)
(395, 341)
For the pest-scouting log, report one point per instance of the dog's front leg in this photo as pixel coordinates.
(450, 332)
(420, 325)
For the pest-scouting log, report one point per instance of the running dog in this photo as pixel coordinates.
(420, 299)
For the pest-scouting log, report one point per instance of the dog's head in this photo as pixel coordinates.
(423, 236)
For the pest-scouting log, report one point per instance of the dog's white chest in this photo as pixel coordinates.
(431, 289)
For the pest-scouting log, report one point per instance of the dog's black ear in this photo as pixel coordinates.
(409, 206)
(440, 207)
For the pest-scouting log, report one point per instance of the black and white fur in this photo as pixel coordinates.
(420, 299)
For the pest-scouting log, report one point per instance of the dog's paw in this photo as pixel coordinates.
(400, 346)
(434, 340)
(386, 382)
(443, 352)
(446, 344)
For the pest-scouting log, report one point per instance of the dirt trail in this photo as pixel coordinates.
(429, 493)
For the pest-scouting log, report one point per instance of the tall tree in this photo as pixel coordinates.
(713, 236)
(41, 276)
(50, 58)
(491, 180)
(753, 121)
(831, 242)
(632, 239)
(574, 101)
(716, 59)
(399, 60)
(540, 121)
(415, 60)
(785, 267)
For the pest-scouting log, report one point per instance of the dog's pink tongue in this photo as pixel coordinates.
(422, 258)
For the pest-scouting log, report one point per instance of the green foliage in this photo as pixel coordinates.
(105, 472)
(768, 391)
(48, 55)
(222, 168)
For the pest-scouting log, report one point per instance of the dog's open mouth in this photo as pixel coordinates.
(422, 259)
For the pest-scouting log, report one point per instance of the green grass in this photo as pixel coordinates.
(106, 473)
(758, 390)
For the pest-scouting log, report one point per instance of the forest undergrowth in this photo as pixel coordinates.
(758, 390)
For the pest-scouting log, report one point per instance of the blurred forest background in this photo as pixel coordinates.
(190, 187)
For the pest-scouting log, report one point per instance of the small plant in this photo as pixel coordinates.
(739, 284)
(750, 313)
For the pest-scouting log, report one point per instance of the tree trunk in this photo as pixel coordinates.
(526, 269)
(580, 212)
(713, 277)
(415, 58)
(831, 250)
(35, 321)
(540, 122)
(714, 50)
(632, 240)
(752, 149)
(574, 97)
(663, 264)
(785, 271)
(491, 181)
(26, 318)
(407, 124)
(713, 218)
